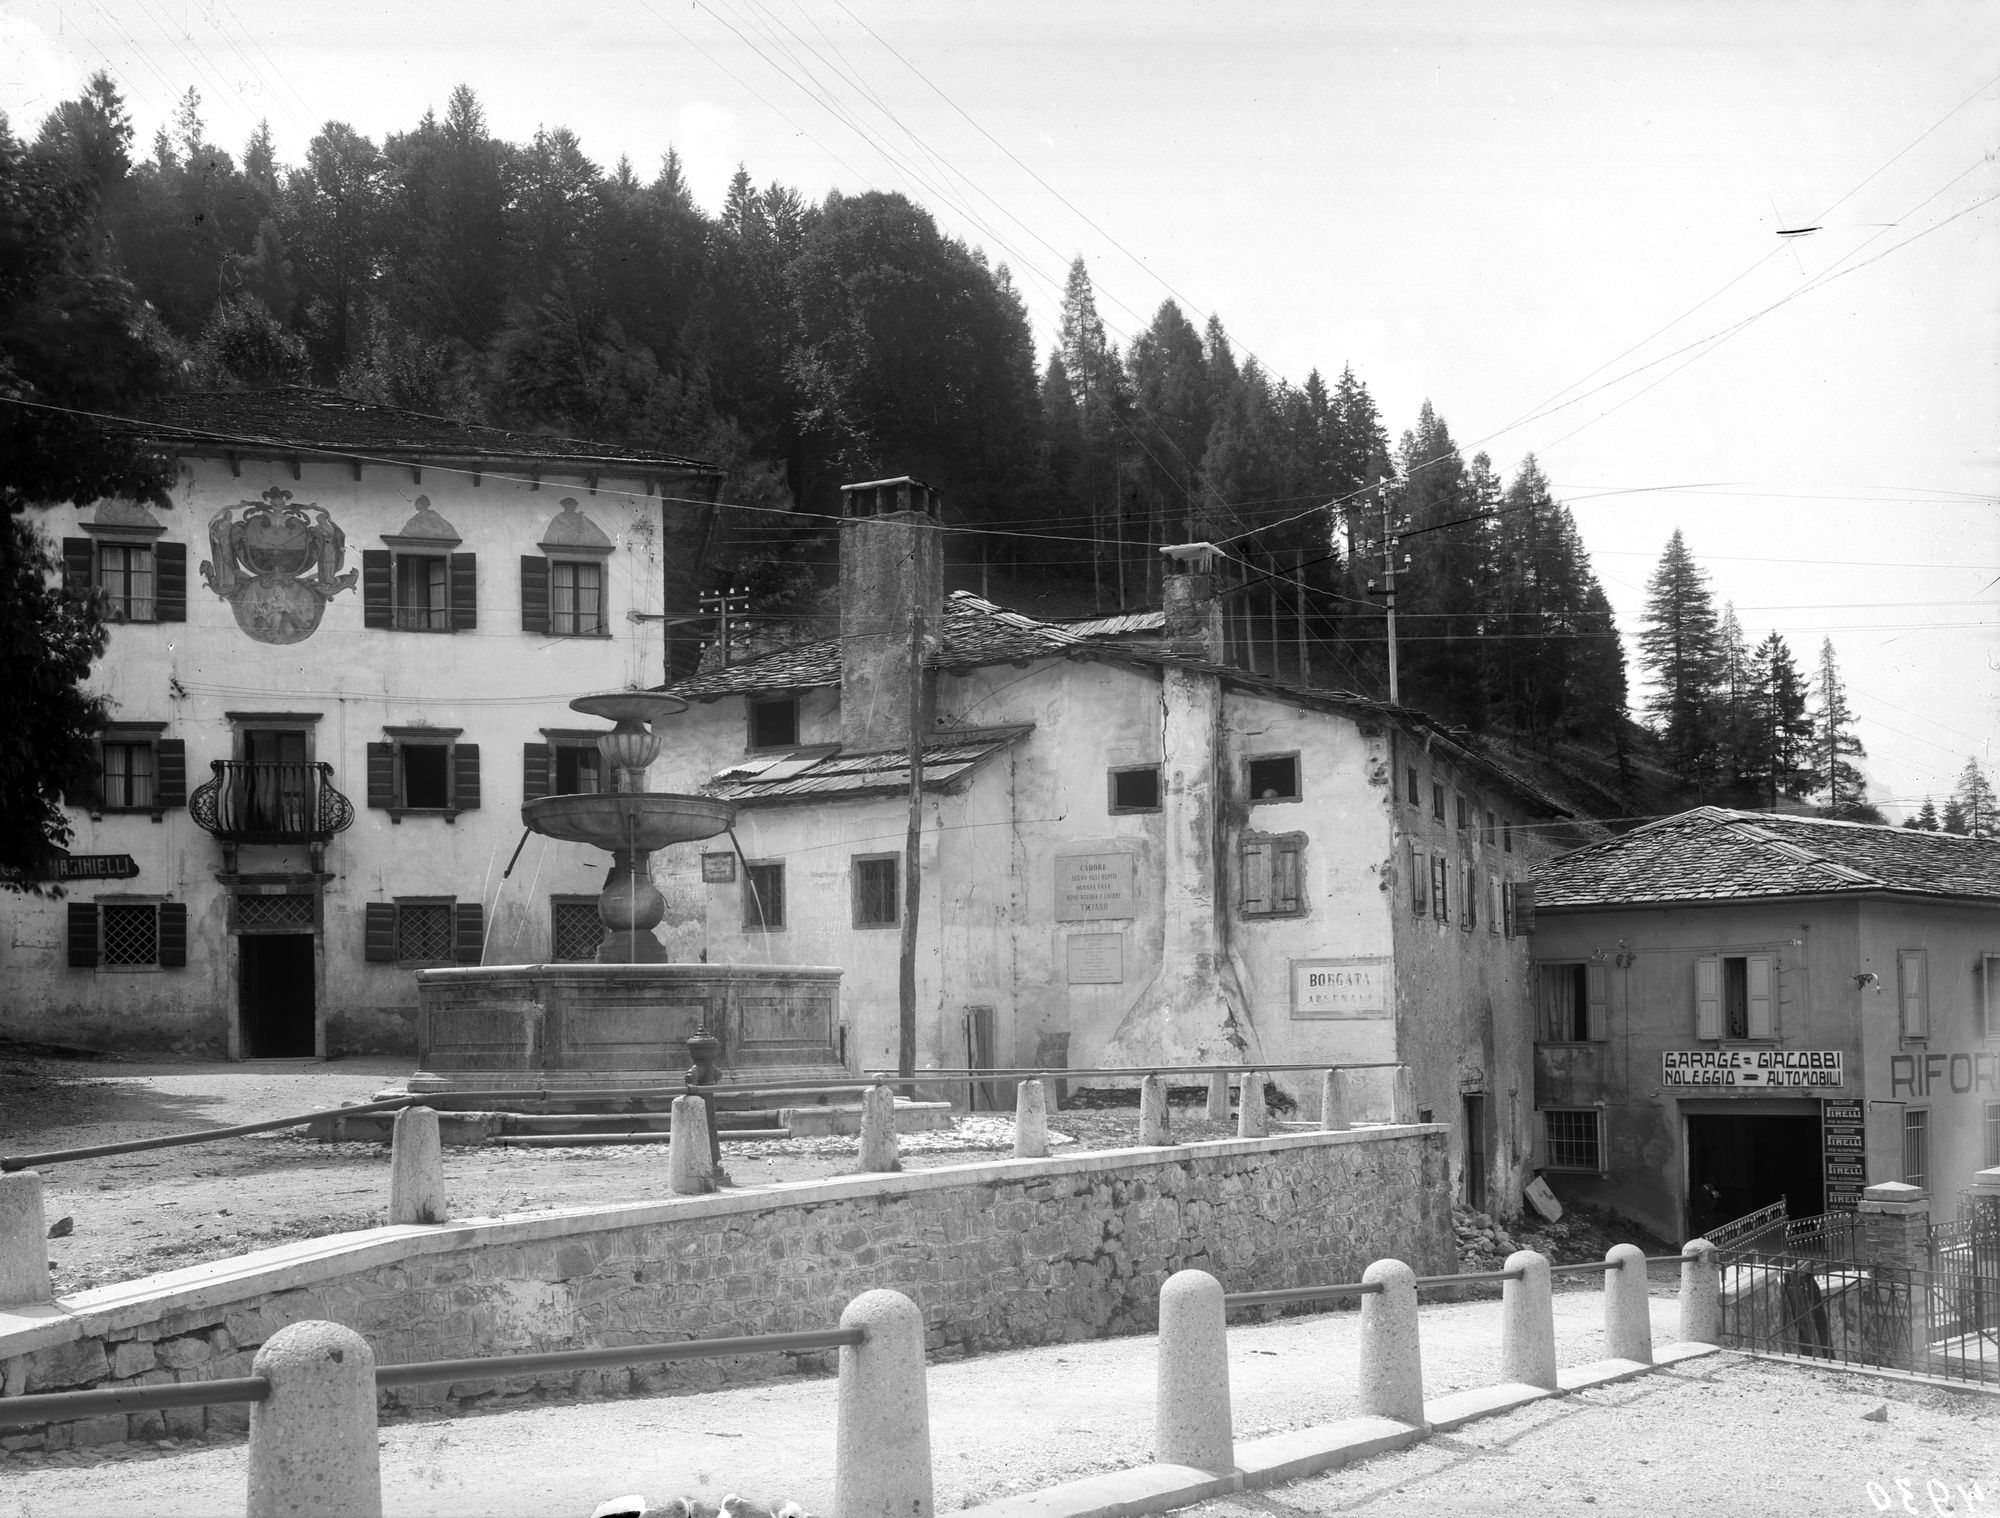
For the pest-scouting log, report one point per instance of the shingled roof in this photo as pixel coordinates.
(294, 419)
(1713, 854)
(823, 771)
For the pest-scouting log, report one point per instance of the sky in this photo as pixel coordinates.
(1557, 222)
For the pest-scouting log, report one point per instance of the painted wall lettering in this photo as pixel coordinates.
(1958, 1073)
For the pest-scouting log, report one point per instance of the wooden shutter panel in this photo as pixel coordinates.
(1285, 877)
(1420, 882)
(79, 561)
(1507, 908)
(465, 776)
(378, 933)
(1708, 997)
(464, 592)
(170, 582)
(82, 935)
(1759, 972)
(381, 774)
(534, 593)
(468, 922)
(536, 761)
(171, 783)
(1524, 908)
(1596, 1000)
(1468, 883)
(1257, 877)
(1441, 889)
(1910, 974)
(174, 934)
(375, 606)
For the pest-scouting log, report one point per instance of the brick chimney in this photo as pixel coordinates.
(891, 566)
(1191, 592)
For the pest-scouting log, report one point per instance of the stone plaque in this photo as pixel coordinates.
(718, 869)
(1095, 959)
(1091, 887)
(1340, 988)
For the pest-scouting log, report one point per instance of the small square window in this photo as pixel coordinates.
(1272, 869)
(1437, 801)
(1573, 1139)
(1136, 789)
(1275, 778)
(764, 896)
(423, 932)
(131, 933)
(875, 904)
(575, 930)
(774, 724)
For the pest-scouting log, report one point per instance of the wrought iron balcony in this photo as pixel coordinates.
(265, 801)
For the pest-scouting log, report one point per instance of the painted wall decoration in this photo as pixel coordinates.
(276, 566)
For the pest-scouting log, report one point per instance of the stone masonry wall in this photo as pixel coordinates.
(995, 1254)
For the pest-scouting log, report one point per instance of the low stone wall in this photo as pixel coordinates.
(996, 1254)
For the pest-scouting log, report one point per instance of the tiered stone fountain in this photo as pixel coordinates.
(625, 1020)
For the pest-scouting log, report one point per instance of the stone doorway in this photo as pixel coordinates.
(275, 995)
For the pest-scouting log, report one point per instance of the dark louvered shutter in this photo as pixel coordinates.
(381, 774)
(82, 935)
(375, 608)
(170, 584)
(174, 934)
(1524, 908)
(534, 593)
(468, 922)
(464, 592)
(79, 566)
(535, 761)
(378, 933)
(172, 786)
(465, 776)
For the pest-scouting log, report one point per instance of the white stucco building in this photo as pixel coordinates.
(336, 665)
(1128, 854)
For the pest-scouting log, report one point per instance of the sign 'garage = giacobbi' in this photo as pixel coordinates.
(1751, 1069)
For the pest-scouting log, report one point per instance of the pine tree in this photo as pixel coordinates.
(1926, 819)
(1833, 741)
(1678, 646)
(1737, 719)
(1952, 818)
(1976, 803)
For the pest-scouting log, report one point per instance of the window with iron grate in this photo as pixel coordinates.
(423, 932)
(764, 896)
(1573, 1139)
(875, 903)
(574, 929)
(254, 911)
(1917, 1147)
(131, 934)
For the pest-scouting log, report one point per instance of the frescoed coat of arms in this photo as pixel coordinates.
(276, 565)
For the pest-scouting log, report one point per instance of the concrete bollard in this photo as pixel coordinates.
(1218, 1097)
(1153, 1126)
(1701, 1294)
(1031, 1121)
(1253, 1119)
(882, 1437)
(1191, 1422)
(1335, 1110)
(1403, 1096)
(878, 1130)
(416, 1168)
(1628, 1319)
(1392, 1367)
(24, 1240)
(689, 1170)
(1528, 1322)
(312, 1441)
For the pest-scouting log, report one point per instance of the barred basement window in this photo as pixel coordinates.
(127, 934)
(574, 929)
(131, 935)
(1917, 1147)
(1574, 1139)
(424, 931)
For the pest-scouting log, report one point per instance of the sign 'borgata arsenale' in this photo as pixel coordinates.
(1752, 1069)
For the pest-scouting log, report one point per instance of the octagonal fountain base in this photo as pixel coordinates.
(578, 1026)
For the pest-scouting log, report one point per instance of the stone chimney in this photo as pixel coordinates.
(891, 569)
(1192, 591)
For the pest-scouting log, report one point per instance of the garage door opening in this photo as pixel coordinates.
(1737, 1164)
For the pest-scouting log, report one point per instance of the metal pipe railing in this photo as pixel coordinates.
(201, 1136)
(1301, 1294)
(51, 1407)
(1063, 1074)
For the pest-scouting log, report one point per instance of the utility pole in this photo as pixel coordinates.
(725, 606)
(1391, 551)
(906, 989)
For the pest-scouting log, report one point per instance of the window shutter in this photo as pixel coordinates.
(378, 933)
(83, 935)
(1758, 974)
(1420, 882)
(375, 608)
(79, 560)
(1524, 908)
(171, 787)
(174, 934)
(170, 582)
(1989, 993)
(1440, 890)
(1285, 891)
(468, 922)
(1596, 1000)
(1257, 877)
(536, 760)
(1507, 908)
(1468, 884)
(1495, 913)
(464, 592)
(534, 593)
(465, 776)
(1910, 974)
(1708, 997)
(381, 774)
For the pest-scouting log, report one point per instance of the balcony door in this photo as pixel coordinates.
(279, 780)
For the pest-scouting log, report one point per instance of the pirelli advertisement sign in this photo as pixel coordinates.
(1791, 1070)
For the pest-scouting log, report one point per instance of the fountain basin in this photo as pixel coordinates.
(621, 820)
(573, 1026)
